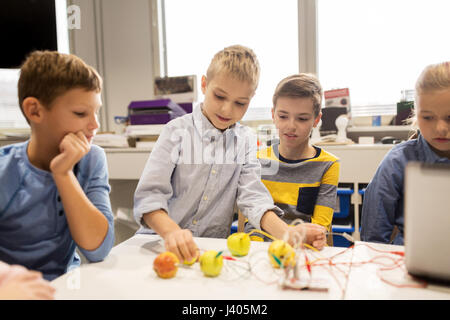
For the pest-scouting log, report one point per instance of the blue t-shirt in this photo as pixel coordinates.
(383, 198)
(33, 227)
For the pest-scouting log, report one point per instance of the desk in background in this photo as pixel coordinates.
(126, 163)
(358, 165)
(127, 273)
(358, 162)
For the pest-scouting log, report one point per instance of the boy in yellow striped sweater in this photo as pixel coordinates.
(305, 184)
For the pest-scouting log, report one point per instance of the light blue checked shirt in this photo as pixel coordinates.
(196, 173)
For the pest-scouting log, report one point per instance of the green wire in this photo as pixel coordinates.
(277, 260)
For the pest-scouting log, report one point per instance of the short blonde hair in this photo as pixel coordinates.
(45, 75)
(303, 85)
(237, 61)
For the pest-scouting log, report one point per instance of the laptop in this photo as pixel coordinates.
(427, 220)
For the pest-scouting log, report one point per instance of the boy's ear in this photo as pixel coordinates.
(273, 113)
(203, 84)
(316, 121)
(33, 109)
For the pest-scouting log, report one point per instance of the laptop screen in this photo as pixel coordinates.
(427, 220)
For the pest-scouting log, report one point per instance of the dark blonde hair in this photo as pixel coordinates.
(434, 77)
(238, 61)
(45, 75)
(303, 85)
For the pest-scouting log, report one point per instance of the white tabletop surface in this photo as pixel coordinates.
(127, 273)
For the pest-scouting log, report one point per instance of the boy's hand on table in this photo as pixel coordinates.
(182, 244)
(73, 147)
(314, 234)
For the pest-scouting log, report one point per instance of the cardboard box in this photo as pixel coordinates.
(337, 98)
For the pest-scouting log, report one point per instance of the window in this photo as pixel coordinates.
(378, 48)
(11, 116)
(196, 30)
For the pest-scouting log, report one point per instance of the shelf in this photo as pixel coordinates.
(380, 129)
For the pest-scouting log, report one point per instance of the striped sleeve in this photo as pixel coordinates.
(326, 200)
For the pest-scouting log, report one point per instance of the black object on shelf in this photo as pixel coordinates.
(329, 116)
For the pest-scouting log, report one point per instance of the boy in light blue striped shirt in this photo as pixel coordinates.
(205, 162)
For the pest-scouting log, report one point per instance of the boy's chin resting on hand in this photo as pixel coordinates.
(73, 147)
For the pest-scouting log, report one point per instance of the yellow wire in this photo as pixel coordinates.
(262, 232)
(271, 237)
(310, 247)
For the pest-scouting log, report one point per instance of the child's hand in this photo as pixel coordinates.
(182, 244)
(73, 147)
(22, 284)
(314, 234)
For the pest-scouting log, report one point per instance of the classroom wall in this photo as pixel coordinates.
(116, 38)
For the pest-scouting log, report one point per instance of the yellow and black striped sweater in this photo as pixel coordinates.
(305, 189)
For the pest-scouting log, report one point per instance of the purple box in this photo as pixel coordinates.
(187, 106)
(154, 111)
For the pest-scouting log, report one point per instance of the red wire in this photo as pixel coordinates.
(308, 265)
(331, 265)
(396, 263)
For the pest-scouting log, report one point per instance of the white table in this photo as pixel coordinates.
(127, 273)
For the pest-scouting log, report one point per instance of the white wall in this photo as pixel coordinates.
(115, 38)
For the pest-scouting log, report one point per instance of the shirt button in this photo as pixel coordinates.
(213, 171)
(205, 198)
(59, 199)
(194, 221)
(61, 212)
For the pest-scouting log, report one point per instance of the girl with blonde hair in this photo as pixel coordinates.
(383, 199)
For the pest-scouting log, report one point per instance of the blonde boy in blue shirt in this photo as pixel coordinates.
(206, 161)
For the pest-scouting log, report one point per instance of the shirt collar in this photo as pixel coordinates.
(276, 151)
(206, 128)
(28, 165)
